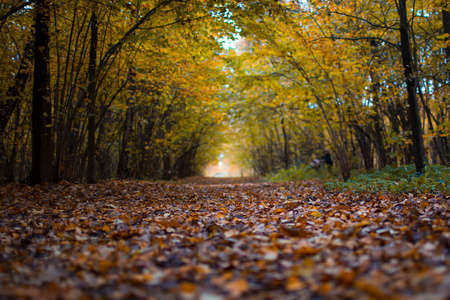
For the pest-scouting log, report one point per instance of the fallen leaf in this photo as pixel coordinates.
(294, 284)
(237, 287)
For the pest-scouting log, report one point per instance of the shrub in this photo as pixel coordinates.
(403, 179)
(397, 180)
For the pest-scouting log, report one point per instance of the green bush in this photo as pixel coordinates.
(397, 180)
(403, 179)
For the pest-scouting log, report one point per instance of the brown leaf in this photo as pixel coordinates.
(293, 231)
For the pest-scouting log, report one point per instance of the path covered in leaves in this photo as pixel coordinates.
(212, 240)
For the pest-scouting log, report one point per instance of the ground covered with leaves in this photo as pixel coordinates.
(210, 240)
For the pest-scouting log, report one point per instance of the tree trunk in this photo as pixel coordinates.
(339, 144)
(41, 119)
(91, 168)
(286, 144)
(365, 146)
(437, 139)
(11, 170)
(14, 92)
(414, 114)
(167, 162)
(103, 157)
(446, 25)
(377, 131)
(123, 156)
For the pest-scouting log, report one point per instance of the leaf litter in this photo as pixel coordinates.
(211, 240)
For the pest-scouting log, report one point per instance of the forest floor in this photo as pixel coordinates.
(213, 239)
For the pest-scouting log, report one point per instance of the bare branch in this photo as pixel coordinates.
(364, 20)
(361, 38)
(175, 22)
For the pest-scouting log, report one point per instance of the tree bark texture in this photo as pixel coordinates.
(446, 25)
(14, 92)
(41, 119)
(91, 168)
(286, 144)
(414, 114)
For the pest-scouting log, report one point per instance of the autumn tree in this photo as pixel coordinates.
(91, 88)
(143, 88)
(408, 65)
(41, 117)
(346, 57)
(91, 94)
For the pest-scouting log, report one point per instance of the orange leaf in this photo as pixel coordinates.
(104, 266)
(138, 279)
(363, 223)
(187, 287)
(237, 287)
(106, 229)
(294, 284)
(306, 251)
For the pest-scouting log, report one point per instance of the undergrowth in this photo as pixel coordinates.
(300, 172)
(403, 179)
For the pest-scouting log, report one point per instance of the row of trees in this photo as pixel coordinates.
(97, 89)
(109, 88)
(368, 80)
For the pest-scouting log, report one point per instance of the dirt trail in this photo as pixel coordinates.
(220, 180)
(212, 238)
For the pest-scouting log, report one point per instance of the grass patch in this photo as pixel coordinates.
(403, 179)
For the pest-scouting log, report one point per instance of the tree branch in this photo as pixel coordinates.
(173, 23)
(16, 9)
(116, 47)
(364, 20)
(361, 38)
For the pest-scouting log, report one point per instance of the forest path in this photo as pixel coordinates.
(220, 239)
(220, 180)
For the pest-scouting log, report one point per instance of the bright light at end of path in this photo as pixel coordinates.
(224, 168)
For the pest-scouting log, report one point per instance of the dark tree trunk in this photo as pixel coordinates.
(377, 131)
(437, 139)
(382, 154)
(14, 92)
(146, 139)
(184, 165)
(91, 149)
(11, 170)
(167, 162)
(123, 156)
(103, 157)
(365, 146)
(446, 25)
(414, 114)
(41, 119)
(286, 144)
